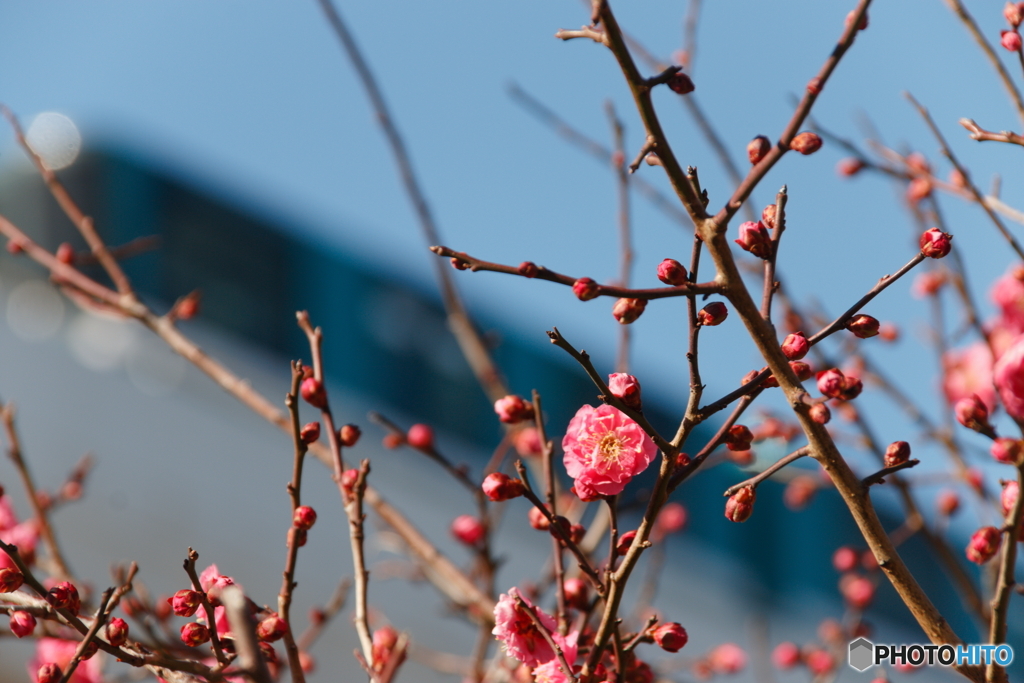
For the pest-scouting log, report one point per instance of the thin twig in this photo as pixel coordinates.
(546, 634)
(1005, 581)
(625, 240)
(879, 476)
(208, 610)
(769, 471)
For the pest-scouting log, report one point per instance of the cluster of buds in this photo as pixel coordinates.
(626, 311)
(834, 384)
(754, 237)
(512, 409)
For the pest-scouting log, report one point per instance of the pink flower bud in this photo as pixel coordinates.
(348, 482)
(1013, 14)
(831, 382)
(857, 591)
(851, 388)
(625, 542)
(754, 238)
(820, 413)
(799, 492)
(795, 346)
(672, 272)
(64, 595)
(307, 662)
(22, 623)
(972, 413)
(918, 163)
(499, 487)
(935, 243)
(527, 442)
(863, 20)
(626, 311)
(349, 435)
(897, 453)
(806, 143)
(14, 248)
(420, 436)
(538, 520)
(948, 502)
(1007, 450)
(185, 602)
(10, 579)
(738, 438)
(918, 188)
(1010, 40)
(1008, 376)
(512, 409)
(468, 529)
(820, 662)
(801, 369)
(117, 631)
(758, 148)
(271, 628)
(680, 83)
(1008, 498)
(727, 658)
(850, 167)
(863, 326)
(984, 545)
(65, 254)
(671, 519)
(585, 289)
(385, 640)
(845, 559)
(310, 432)
(304, 517)
(768, 216)
(626, 388)
(49, 673)
(528, 269)
(194, 634)
(670, 637)
(786, 656)
(313, 392)
(577, 593)
(740, 505)
(712, 314)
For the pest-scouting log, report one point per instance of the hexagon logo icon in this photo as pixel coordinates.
(862, 654)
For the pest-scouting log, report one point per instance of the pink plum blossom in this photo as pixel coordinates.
(604, 450)
(61, 652)
(520, 635)
(968, 371)
(1008, 294)
(1009, 379)
(551, 670)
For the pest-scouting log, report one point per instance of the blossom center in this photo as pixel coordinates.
(609, 447)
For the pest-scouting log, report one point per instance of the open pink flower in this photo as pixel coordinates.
(61, 652)
(604, 450)
(968, 371)
(551, 670)
(1009, 379)
(520, 635)
(212, 582)
(1008, 294)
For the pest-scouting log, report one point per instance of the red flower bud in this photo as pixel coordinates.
(758, 148)
(786, 656)
(577, 593)
(22, 623)
(738, 438)
(1013, 13)
(795, 346)
(897, 453)
(348, 482)
(671, 519)
(420, 436)
(831, 382)
(625, 542)
(64, 595)
(194, 634)
(185, 602)
(972, 413)
(935, 243)
(65, 254)
(948, 502)
(626, 311)
(863, 326)
(538, 520)
(1007, 450)
(527, 442)
(117, 631)
(820, 662)
(680, 83)
(304, 517)
(349, 435)
(754, 238)
(670, 637)
(313, 392)
(984, 545)
(806, 143)
(527, 269)
(672, 272)
(499, 487)
(740, 505)
(468, 529)
(857, 591)
(1008, 498)
(845, 559)
(801, 369)
(626, 388)
(852, 388)
(14, 248)
(300, 536)
(712, 314)
(820, 413)
(310, 432)
(1008, 39)
(849, 167)
(10, 579)
(271, 628)
(384, 641)
(49, 673)
(585, 289)
(512, 409)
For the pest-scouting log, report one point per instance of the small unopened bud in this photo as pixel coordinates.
(1007, 450)
(527, 269)
(935, 243)
(712, 314)
(670, 637)
(831, 382)
(740, 505)
(22, 624)
(527, 442)
(585, 289)
(863, 20)
(576, 532)
(348, 481)
(10, 579)
(185, 602)
(538, 520)
(849, 167)
(626, 311)
(117, 631)
(754, 238)
(577, 593)
(194, 634)
(738, 438)
(671, 519)
(310, 432)
(845, 559)
(858, 591)
(680, 83)
(1010, 40)
(806, 143)
(957, 179)
(888, 332)
(459, 264)
(187, 308)
(626, 388)
(468, 529)
(271, 628)
(307, 662)
(313, 392)
(785, 656)
(49, 673)
(349, 435)
(972, 413)
(758, 148)
(948, 502)
(304, 517)
(14, 248)
(795, 346)
(799, 492)
(897, 453)
(919, 188)
(820, 662)
(1012, 13)
(863, 326)
(65, 253)
(64, 595)
(672, 272)
(768, 214)
(385, 640)
(625, 542)
(420, 436)
(852, 388)
(814, 86)
(801, 369)
(820, 413)
(512, 409)
(498, 487)
(984, 545)
(300, 536)
(1008, 498)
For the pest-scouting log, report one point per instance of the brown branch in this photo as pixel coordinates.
(97, 624)
(548, 466)
(354, 511)
(1005, 581)
(769, 265)
(879, 476)
(625, 239)
(769, 471)
(244, 631)
(979, 133)
(284, 596)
